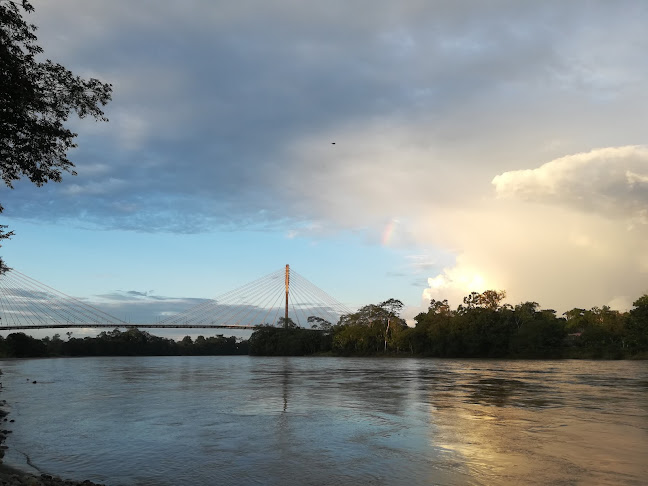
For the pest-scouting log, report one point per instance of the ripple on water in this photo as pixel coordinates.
(290, 421)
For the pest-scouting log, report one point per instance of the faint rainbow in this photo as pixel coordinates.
(388, 232)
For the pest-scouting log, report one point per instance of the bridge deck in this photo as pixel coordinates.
(131, 326)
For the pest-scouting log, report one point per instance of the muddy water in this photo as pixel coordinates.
(329, 421)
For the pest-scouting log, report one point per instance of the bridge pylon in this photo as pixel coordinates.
(287, 290)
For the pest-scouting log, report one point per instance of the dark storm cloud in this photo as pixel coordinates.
(208, 97)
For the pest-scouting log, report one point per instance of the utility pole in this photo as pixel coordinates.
(287, 287)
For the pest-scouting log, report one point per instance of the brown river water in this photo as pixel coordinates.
(329, 421)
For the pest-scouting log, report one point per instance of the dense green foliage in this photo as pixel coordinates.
(273, 341)
(482, 327)
(132, 342)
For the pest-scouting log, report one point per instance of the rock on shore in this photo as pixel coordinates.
(17, 478)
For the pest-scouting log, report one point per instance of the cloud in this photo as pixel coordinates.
(94, 188)
(224, 113)
(566, 234)
(229, 114)
(424, 262)
(139, 296)
(611, 181)
(455, 283)
(135, 306)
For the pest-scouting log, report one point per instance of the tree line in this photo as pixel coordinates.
(132, 342)
(481, 327)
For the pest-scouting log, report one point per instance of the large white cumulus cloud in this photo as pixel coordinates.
(610, 181)
(570, 233)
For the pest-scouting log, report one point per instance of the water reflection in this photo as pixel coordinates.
(383, 389)
(286, 373)
(523, 430)
(299, 421)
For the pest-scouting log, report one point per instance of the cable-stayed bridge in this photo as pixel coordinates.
(280, 298)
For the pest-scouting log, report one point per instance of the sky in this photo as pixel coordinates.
(416, 150)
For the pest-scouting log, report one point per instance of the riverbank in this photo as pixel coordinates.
(10, 476)
(14, 477)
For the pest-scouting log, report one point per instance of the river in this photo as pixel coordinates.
(329, 421)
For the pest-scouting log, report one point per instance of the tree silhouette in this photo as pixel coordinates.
(36, 99)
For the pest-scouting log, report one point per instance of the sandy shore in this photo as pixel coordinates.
(10, 476)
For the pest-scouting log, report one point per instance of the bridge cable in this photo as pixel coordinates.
(279, 296)
(76, 306)
(321, 295)
(316, 308)
(10, 315)
(26, 300)
(266, 292)
(264, 305)
(202, 309)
